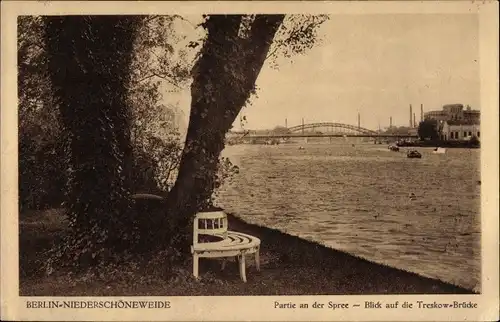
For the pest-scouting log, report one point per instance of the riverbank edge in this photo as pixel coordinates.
(314, 253)
(290, 265)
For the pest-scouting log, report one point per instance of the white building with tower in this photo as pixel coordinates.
(454, 112)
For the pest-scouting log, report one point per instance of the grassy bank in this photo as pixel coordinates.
(290, 266)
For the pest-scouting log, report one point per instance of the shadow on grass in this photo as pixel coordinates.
(289, 266)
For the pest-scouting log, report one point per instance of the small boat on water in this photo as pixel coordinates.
(394, 148)
(301, 148)
(439, 150)
(413, 154)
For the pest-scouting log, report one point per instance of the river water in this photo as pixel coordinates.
(357, 199)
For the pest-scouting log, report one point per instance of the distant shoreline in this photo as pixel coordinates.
(440, 144)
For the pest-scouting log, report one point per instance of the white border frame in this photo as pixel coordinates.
(254, 307)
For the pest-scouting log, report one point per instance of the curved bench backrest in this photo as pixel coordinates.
(212, 223)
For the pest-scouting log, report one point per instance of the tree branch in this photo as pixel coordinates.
(164, 77)
(273, 52)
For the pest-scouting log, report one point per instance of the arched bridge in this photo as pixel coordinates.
(331, 127)
(310, 130)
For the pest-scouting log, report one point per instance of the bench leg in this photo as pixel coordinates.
(257, 260)
(195, 265)
(242, 267)
(223, 265)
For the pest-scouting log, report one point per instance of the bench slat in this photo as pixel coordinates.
(211, 215)
(221, 247)
(234, 240)
(214, 232)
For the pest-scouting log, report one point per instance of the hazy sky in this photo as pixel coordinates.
(375, 65)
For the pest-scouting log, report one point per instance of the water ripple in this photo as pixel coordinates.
(357, 199)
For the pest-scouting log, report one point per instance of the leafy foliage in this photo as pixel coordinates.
(297, 34)
(428, 129)
(89, 60)
(226, 171)
(154, 137)
(41, 175)
(156, 162)
(161, 53)
(33, 85)
(160, 57)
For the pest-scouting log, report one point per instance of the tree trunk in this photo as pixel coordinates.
(89, 61)
(223, 80)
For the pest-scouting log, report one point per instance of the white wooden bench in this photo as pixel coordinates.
(228, 243)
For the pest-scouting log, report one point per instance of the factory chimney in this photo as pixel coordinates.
(421, 112)
(411, 116)
(359, 120)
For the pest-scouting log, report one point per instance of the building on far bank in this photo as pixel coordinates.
(460, 129)
(454, 112)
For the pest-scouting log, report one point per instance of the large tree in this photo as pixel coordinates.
(89, 59)
(224, 78)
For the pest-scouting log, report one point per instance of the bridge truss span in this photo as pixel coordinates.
(331, 127)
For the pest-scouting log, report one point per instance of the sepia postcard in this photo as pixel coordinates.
(249, 161)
